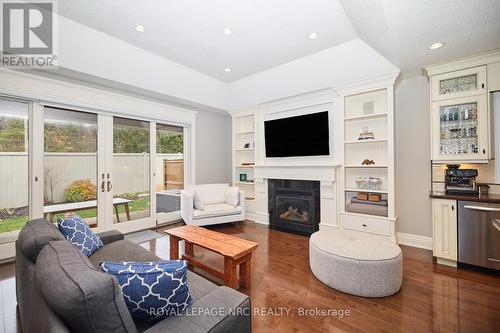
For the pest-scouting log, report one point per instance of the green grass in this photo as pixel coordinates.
(17, 223)
(14, 223)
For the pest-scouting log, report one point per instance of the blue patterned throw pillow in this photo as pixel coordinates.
(152, 290)
(79, 234)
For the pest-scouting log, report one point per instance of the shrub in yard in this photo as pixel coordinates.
(80, 190)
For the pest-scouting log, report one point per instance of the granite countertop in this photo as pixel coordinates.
(489, 198)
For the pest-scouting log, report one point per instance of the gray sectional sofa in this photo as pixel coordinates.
(60, 290)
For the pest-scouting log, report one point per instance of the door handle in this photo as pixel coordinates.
(496, 224)
(483, 208)
(102, 186)
(110, 185)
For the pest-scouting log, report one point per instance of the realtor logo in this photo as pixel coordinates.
(28, 34)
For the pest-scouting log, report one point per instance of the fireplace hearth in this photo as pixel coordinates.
(294, 205)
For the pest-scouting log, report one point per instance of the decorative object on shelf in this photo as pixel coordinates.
(369, 183)
(243, 177)
(362, 196)
(369, 202)
(368, 108)
(246, 146)
(375, 197)
(366, 134)
(249, 198)
(368, 162)
(247, 163)
(458, 129)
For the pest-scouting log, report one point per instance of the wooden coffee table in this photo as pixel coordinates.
(236, 251)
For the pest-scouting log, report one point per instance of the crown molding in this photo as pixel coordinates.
(463, 63)
(367, 85)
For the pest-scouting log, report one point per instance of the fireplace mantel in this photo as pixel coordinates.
(323, 173)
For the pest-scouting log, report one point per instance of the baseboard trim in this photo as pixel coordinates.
(422, 242)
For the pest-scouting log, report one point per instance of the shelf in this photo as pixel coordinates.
(367, 116)
(244, 167)
(364, 141)
(245, 183)
(249, 200)
(366, 166)
(245, 149)
(373, 216)
(365, 191)
(245, 132)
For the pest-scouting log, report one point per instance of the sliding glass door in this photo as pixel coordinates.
(169, 171)
(131, 170)
(14, 166)
(70, 165)
(115, 172)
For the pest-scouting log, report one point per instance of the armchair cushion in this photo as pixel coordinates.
(210, 193)
(216, 210)
(233, 196)
(198, 201)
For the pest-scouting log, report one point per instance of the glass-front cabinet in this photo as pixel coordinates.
(463, 83)
(460, 129)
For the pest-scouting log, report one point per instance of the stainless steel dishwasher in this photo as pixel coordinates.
(479, 234)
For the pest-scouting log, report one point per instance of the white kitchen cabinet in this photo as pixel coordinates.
(494, 76)
(460, 129)
(444, 225)
(457, 84)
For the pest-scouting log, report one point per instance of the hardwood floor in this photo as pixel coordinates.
(433, 298)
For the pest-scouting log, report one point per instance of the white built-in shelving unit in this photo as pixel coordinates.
(368, 107)
(243, 153)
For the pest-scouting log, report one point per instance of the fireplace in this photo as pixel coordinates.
(294, 205)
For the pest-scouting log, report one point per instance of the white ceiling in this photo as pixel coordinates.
(402, 30)
(266, 32)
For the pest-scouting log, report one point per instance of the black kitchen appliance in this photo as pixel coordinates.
(460, 181)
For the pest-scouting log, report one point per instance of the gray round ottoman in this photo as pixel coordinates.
(356, 263)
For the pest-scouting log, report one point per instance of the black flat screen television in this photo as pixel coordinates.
(306, 135)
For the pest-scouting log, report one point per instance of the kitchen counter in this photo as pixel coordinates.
(488, 198)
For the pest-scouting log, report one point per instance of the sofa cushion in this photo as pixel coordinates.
(216, 210)
(211, 193)
(87, 299)
(35, 235)
(233, 196)
(78, 233)
(152, 290)
(125, 250)
(122, 250)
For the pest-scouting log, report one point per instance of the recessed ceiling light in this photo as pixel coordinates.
(312, 35)
(228, 31)
(140, 28)
(227, 70)
(436, 46)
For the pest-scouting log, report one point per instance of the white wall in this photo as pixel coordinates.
(346, 63)
(413, 172)
(213, 148)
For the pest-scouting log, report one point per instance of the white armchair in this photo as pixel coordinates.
(212, 204)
